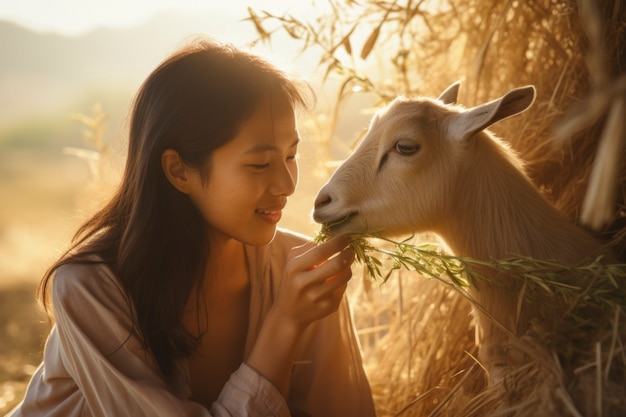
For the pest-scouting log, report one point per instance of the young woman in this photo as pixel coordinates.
(181, 297)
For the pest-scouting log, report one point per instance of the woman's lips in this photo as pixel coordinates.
(270, 216)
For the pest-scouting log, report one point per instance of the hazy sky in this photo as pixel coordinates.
(72, 17)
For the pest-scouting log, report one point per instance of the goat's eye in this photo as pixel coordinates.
(404, 147)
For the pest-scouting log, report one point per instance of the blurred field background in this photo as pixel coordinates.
(54, 89)
(417, 337)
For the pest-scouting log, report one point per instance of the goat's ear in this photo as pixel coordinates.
(450, 94)
(477, 118)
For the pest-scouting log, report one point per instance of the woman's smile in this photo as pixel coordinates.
(270, 216)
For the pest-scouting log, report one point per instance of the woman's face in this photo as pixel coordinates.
(251, 176)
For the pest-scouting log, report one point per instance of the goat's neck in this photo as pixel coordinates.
(499, 213)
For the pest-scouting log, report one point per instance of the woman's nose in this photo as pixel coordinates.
(284, 179)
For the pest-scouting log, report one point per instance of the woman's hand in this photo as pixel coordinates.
(312, 288)
(314, 282)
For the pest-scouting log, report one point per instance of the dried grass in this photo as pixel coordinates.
(424, 365)
(414, 354)
(417, 334)
(422, 362)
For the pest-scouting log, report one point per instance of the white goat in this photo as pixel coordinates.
(429, 165)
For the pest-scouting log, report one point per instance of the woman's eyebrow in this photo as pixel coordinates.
(264, 147)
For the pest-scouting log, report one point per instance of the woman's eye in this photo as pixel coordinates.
(292, 157)
(259, 166)
(406, 147)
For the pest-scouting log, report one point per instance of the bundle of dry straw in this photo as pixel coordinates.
(417, 334)
(582, 355)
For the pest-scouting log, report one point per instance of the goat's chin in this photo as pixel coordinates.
(354, 227)
(345, 225)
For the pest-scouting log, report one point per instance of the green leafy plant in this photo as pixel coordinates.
(603, 283)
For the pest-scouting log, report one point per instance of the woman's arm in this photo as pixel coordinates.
(312, 288)
(114, 375)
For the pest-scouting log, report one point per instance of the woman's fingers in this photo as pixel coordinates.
(330, 270)
(325, 269)
(315, 281)
(329, 288)
(299, 250)
(325, 279)
(319, 254)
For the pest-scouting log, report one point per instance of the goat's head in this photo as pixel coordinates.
(401, 177)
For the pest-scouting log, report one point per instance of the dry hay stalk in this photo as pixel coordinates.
(417, 336)
(420, 353)
(541, 43)
(414, 353)
(575, 54)
(424, 352)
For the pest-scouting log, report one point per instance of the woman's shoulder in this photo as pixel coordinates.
(82, 272)
(88, 279)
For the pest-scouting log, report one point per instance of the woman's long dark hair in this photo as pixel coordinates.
(151, 235)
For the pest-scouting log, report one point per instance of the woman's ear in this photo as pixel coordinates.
(176, 171)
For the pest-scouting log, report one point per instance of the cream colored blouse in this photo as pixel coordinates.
(94, 364)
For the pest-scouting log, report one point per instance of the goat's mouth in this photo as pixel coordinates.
(333, 226)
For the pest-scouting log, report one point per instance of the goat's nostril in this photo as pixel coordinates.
(322, 200)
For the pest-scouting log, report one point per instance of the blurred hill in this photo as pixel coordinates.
(44, 71)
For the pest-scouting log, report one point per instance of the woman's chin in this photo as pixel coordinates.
(262, 239)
